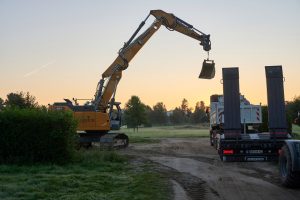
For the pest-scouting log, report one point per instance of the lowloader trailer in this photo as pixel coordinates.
(234, 126)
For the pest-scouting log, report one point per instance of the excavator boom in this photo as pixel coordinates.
(105, 93)
(98, 118)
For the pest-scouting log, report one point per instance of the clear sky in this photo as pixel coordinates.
(58, 49)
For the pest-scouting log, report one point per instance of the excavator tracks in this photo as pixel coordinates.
(114, 141)
(107, 141)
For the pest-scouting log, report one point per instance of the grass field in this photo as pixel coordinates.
(94, 175)
(154, 133)
(296, 131)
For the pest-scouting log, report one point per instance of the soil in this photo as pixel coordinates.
(196, 172)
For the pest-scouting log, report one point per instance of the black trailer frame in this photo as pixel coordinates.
(231, 144)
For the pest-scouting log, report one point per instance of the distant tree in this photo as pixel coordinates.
(293, 110)
(15, 100)
(264, 126)
(178, 116)
(159, 114)
(21, 100)
(184, 105)
(181, 114)
(148, 121)
(30, 101)
(199, 114)
(201, 105)
(1, 103)
(186, 110)
(135, 113)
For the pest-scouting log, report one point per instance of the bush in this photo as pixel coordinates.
(264, 127)
(36, 135)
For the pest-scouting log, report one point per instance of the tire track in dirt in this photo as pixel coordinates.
(196, 167)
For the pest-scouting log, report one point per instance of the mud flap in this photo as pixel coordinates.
(208, 70)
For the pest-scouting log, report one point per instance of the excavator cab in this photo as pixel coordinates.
(115, 115)
(208, 69)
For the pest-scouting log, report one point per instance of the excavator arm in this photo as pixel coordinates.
(107, 86)
(171, 22)
(114, 71)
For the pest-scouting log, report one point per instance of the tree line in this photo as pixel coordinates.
(19, 100)
(136, 113)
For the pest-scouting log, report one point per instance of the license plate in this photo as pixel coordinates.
(258, 151)
(255, 158)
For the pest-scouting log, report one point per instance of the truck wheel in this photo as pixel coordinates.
(288, 177)
(211, 139)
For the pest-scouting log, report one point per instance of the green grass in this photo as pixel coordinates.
(296, 131)
(150, 135)
(94, 175)
(153, 134)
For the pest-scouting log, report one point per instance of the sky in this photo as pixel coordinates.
(58, 49)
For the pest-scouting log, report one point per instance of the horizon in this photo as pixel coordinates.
(59, 49)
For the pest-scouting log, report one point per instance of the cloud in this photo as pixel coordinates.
(38, 69)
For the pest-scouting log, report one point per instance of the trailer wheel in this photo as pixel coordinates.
(288, 177)
(211, 139)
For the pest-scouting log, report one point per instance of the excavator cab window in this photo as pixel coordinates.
(116, 117)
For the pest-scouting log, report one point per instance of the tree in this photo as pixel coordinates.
(293, 109)
(181, 114)
(199, 114)
(186, 110)
(159, 114)
(20, 100)
(177, 116)
(148, 111)
(30, 101)
(15, 100)
(135, 113)
(264, 126)
(1, 104)
(184, 105)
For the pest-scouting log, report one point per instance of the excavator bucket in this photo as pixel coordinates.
(208, 69)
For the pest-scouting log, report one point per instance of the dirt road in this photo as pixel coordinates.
(196, 172)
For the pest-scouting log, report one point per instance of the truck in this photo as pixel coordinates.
(234, 126)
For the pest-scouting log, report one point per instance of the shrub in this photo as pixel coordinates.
(36, 135)
(264, 127)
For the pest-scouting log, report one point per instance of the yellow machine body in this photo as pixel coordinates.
(92, 121)
(87, 120)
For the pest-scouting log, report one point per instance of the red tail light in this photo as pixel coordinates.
(227, 151)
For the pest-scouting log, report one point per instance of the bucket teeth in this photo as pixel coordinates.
(208, 70)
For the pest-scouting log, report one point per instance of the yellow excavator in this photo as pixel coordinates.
(98, 118)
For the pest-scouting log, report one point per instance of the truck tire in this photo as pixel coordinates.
(211, 139)
(288, 177)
